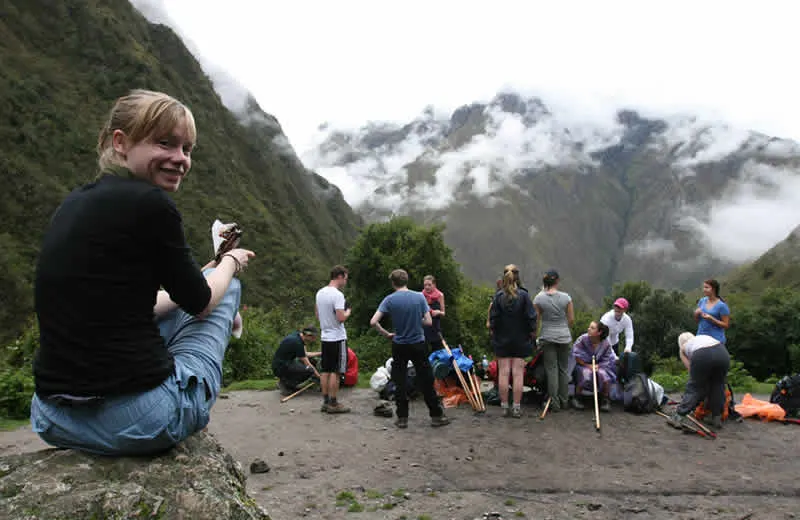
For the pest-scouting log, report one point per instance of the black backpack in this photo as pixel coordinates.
(787, 394)
(628, 366)
(638, 396)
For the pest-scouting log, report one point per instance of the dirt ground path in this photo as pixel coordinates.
(485, 466)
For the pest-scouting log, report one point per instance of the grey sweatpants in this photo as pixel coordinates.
(708, 369)
(556, 369)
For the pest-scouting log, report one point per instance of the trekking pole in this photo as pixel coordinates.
(309, 385)
(686, 427)
(460, 375)
(702, 426)
(475, 391)
(546, 406)
(596, 405)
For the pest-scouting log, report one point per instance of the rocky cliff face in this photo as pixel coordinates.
(670, 200)
(197, 480)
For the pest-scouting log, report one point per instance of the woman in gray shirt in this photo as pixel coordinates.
(555, 314)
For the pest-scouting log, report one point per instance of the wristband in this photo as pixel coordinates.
(236, 260)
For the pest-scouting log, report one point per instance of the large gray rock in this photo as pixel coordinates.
(196, 480)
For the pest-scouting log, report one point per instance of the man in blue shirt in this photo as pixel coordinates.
(408, 311)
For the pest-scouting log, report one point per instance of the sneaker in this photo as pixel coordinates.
(605, 405)
(575, 403)
(324, 408)
(337, 408)
(439, 421)
(716, 422)
(506, 412)
(516, 412)
(401, 422)
(680, 422)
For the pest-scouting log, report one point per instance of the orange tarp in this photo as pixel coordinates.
(450, 391)
(764, 410)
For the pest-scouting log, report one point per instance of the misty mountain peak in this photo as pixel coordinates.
(666, 198)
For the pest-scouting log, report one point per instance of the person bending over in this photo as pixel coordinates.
(617, 320)
(708, 362)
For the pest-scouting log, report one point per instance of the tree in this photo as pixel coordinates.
(400, 244)
(634, 292)
(765, 332)
(661, 317)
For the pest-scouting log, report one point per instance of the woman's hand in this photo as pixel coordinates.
(240, 256)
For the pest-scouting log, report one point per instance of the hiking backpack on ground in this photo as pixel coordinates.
(628, 365)
(641, 395)
(787, 394)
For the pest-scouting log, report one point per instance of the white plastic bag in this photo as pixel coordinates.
(379, 379)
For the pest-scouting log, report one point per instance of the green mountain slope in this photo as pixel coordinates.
(61, 66)
(777, 268)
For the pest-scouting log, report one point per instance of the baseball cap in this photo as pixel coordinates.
(622, 303)
(552, 273)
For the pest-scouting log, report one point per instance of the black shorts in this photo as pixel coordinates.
(334, 357)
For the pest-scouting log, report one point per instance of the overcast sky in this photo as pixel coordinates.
(350, 61)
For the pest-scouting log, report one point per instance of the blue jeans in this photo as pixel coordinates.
(155, 420)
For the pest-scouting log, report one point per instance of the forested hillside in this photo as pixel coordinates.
(62, 64)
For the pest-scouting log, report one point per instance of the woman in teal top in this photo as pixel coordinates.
(712, 313)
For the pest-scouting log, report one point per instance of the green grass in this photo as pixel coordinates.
(345, 495)
(373, 493)
(252, 384)
(7, 425)
(758, 388)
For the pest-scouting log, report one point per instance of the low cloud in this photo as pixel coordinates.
(752, 215)
(652, 246)
(487, 163)
(690, 141)
(234, 95)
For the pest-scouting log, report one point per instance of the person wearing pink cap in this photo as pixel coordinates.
(617, 320)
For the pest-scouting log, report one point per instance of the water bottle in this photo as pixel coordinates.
(485, 363)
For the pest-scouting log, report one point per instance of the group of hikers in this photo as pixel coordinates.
(133, 332)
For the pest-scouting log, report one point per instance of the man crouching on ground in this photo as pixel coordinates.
(408, 311)
(291, 364)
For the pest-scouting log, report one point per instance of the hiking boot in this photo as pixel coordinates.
(439, 421)
(575, 403)
(680, 422)
(605, 405)
(716, 422)
(516, 412)
(401, 422)
(284, 388)
(337, 408)
(324, 408)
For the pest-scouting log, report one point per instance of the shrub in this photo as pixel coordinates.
(16, 390)
(250, 357)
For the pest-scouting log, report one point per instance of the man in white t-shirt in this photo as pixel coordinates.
(331, 313)
(617, 321)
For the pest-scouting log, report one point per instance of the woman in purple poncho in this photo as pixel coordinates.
(594, 343)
